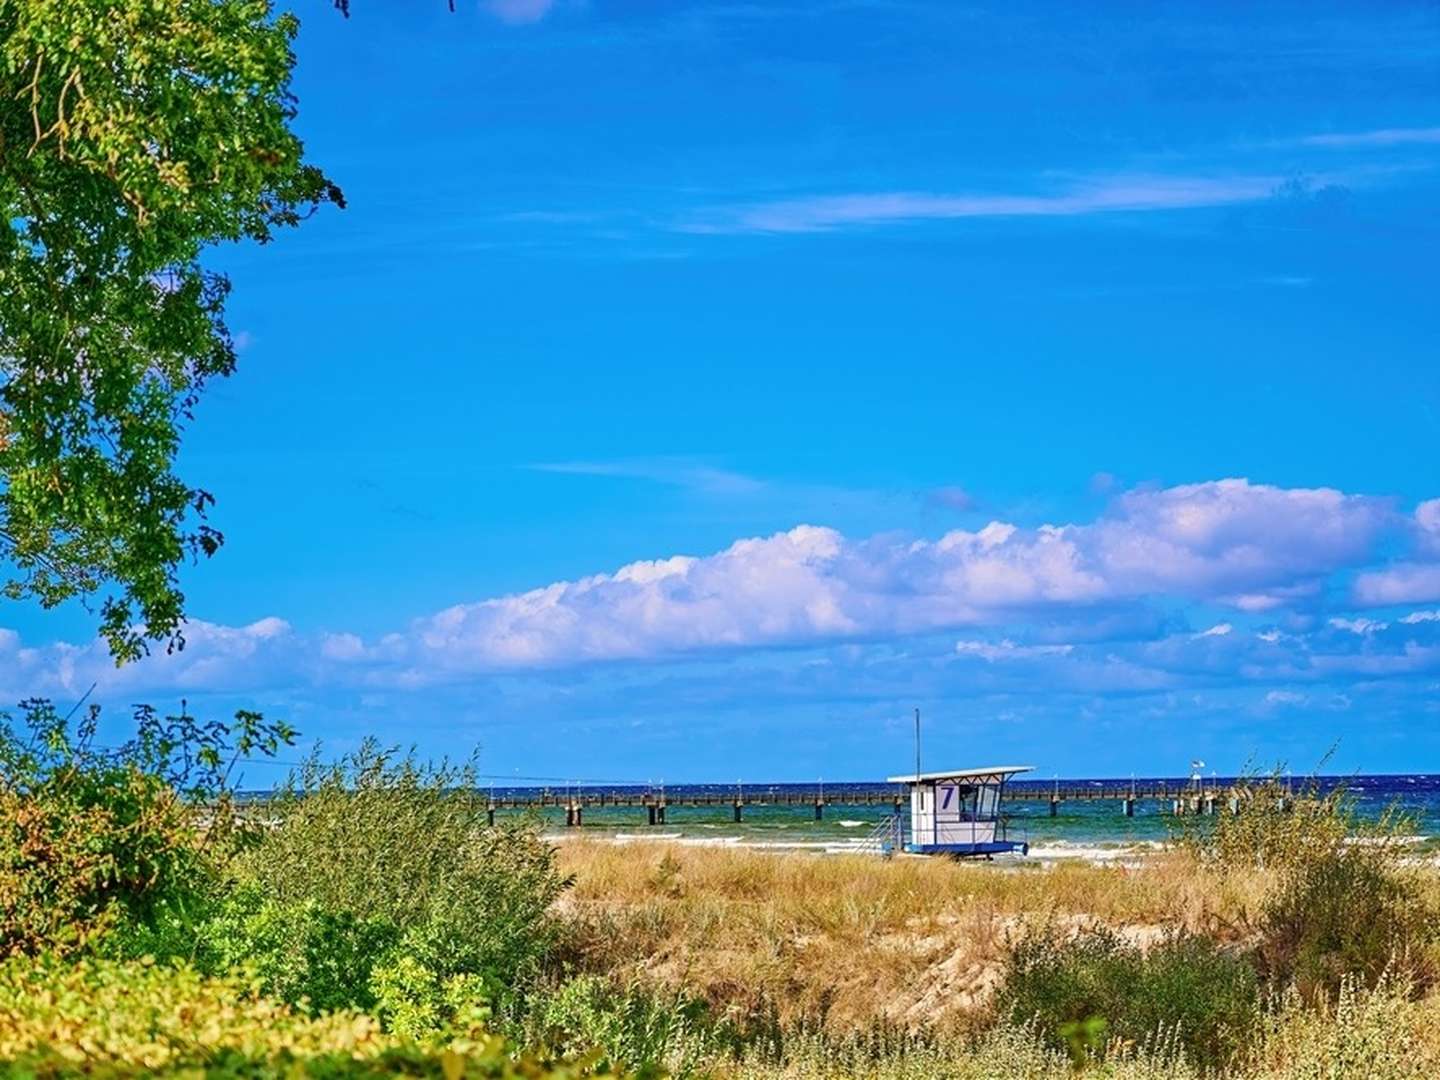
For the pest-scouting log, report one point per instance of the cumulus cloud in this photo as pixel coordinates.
(1403, 583)
(1220, 542)
(1415, 580)
(263, 653)
(1099, 601)
(1427, 524)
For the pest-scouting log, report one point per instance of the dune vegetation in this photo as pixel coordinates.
(368, 921)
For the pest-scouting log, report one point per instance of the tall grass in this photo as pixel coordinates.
(851, 939)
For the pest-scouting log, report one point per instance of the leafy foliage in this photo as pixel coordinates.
(400, 852)
(96, 841)
(133, 134)
(300, 952)
(1086, 991)
(107, 1018)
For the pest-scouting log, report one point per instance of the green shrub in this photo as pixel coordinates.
(95, 844)
(300, 952)
(1343, 900)
(1086, 991)
(375, 841)
(132, 1019)
(1351, 911)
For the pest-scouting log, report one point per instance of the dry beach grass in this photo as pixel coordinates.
(855, 938)
(848, 946)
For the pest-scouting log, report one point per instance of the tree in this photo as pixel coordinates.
(134, 134)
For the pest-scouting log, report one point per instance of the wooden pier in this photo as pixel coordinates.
(1175, 798)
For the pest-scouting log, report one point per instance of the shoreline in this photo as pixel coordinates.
(1131, 853)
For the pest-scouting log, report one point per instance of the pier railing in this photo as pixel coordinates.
(1180, 797)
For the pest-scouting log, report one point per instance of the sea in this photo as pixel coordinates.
(1095, 830)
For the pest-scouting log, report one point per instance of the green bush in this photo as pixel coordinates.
(1343, 900)
(300, 952)
(116, 844)
(1351, 911)
(1084, 992)
(378, 845)
(129, 1019)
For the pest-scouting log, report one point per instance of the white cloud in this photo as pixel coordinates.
(1041, 591)
(1427, 522)
(1006, 649)
(811, 584)
(1402, 583)
(1416, 617)
(1377, 137)
(1285, 697)
(1360, 626)
(1218, 630)
(1111, 194)
(264, 652)
(1413, 581)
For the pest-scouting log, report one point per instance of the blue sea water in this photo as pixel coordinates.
(1078, 825)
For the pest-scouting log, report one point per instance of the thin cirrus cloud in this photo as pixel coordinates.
(1378, 137)
(519, 12)
(819, 213)
(677, 472)
(1008, 592)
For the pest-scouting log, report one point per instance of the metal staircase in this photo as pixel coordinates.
(886, 838)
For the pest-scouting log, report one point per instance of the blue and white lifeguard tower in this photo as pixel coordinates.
(958, 812)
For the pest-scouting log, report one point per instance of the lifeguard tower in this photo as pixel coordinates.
(958, 812)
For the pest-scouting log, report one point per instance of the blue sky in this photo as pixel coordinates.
(1068, 371)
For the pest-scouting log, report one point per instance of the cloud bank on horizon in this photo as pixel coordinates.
(1223, 583)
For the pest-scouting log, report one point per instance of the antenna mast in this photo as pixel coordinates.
(917, 745)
